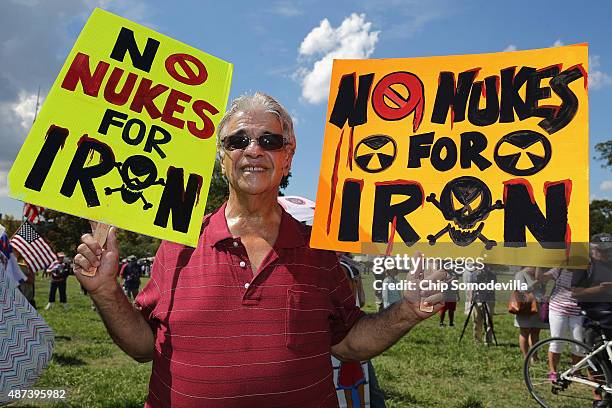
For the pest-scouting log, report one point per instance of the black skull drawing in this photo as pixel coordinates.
(466, 201)
(138, 173)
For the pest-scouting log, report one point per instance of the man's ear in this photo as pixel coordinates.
(220, 158)
(287, 166)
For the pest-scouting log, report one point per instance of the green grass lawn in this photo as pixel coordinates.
(427, 368)
(86, 363)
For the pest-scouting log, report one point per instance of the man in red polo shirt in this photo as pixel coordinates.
(250, 316)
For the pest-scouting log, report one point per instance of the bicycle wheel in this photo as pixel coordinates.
(564, 392)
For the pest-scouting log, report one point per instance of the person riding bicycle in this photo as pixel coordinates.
(593, 290)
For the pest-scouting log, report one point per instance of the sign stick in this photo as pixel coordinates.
(100, 235)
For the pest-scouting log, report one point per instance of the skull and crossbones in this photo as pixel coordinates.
(465, 201)
(132, 170)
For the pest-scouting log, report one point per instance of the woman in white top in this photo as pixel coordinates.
(564, 315)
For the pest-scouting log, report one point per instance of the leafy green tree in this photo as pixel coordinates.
(63, 231)
(131, 243)
(600, 216)
(604, 153)
(219, 190)
(10, 223)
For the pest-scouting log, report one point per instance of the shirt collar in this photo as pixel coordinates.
(289, 234)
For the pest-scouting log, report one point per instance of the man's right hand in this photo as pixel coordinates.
(91, 256)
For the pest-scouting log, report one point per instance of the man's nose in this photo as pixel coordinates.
(253, 149)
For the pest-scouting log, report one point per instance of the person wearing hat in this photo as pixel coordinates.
(593, 286)
(593, 290)
(131, 277)
(59, 274)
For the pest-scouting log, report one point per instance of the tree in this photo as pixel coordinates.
(63, 231)
(10, 223)
(604, 150)
(219, 190)
(600, 214)
(131, 243)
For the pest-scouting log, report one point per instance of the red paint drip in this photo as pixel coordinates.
(350, 150)
(86, 138)
(392, 237)
(568, 241)
(358, 181)
(334, 182)
(200, 181)
(452, 121)
(519, 181)
(559, 67)
(585, 75)
(401, 181)
(568, 188)
(54, 128)
(554, 108)
(568, 192)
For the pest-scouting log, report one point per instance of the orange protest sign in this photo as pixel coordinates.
(478, 153)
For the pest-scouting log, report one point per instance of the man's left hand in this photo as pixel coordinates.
(423, 303)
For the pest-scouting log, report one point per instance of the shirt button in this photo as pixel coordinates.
(246, 285)
(242, 264)
(235, 244)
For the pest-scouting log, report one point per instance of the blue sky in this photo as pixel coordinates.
(282, 48)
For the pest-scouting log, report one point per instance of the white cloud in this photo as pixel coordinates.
(295, 117)
(597, 78)
(510, 47)
(558, 43)
(25, 109)
(353, 39)
(286, 9)
(606, 185)
(3, 183)
(35, 37)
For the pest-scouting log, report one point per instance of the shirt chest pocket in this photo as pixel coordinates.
(307, 321)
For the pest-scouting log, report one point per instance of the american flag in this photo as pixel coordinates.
(32, 212)
(32, 247)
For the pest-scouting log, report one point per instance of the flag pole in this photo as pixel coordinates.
(37, 104)
(33, 120)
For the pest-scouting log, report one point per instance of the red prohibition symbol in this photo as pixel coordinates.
(187, 63)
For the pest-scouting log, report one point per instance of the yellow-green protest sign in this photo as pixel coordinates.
(126, 135)
(479, 153)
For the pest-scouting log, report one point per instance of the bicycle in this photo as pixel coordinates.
(576, 382)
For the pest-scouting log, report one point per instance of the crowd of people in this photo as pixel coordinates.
(565, 301)
(130, 272)
(297, 305)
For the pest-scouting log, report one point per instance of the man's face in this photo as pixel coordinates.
(254, 170)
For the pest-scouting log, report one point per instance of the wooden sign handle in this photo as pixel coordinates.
(100, 235)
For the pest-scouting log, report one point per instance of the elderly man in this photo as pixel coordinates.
(250, 316)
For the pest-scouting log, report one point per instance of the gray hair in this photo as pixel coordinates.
(259, 100)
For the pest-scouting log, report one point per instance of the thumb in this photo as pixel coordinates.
(111, 241)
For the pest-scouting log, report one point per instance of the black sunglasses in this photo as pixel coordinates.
(267, 141)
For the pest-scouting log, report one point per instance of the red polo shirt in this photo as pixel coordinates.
(226, 338)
